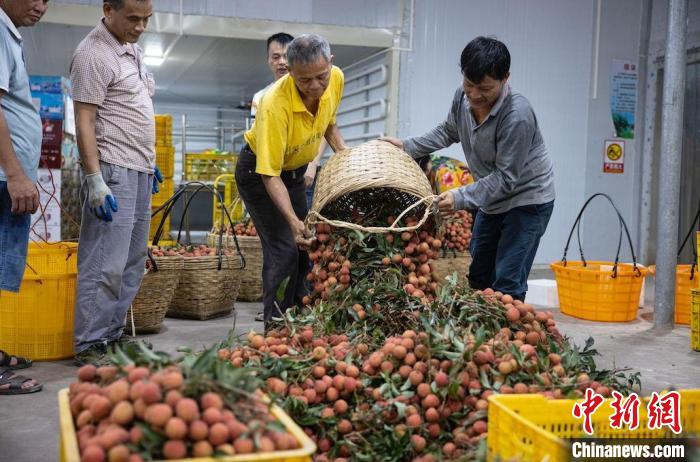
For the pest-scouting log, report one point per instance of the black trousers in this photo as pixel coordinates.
(282, 258)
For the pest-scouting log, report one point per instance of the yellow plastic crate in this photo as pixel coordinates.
(532, 428)
(695, 320)
(231, 200)
(207, 167)
(155, 222)
(31, 326)
(70, 453)
(164, 130)
(164, 120)
(165, 160)
(167, 189)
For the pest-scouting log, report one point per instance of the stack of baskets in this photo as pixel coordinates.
(165, 161)
(208, 165)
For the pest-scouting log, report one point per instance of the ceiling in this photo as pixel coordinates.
(199, 70)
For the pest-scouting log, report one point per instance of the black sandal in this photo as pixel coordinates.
(6, 361)
(16, 382)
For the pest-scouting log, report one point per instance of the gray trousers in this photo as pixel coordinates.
(111, 258)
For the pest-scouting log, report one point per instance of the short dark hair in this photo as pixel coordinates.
(485, 56)
(282, 38)
(116, 4)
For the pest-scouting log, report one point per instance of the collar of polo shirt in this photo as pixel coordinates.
(114, 43)
(297, 103)
(5, 19)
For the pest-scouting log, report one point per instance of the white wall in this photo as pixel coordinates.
(619, 39)
(550, 43)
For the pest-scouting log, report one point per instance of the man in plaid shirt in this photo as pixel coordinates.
(116, 137)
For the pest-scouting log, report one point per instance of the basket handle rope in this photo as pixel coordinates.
(693, 247)
(623, 226)
(619, 245)
(431, 201)
(167, 207)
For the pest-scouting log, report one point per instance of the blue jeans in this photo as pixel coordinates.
(14, 238)
(504, 245)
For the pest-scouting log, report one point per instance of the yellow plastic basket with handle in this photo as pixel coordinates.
(695, 320)
(532, 428)
(686, 280)
(37, 322)
(599, 290)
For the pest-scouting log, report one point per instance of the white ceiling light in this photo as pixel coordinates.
(154, 49)
(153, 60)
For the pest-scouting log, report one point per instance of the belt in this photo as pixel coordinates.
(286, 174)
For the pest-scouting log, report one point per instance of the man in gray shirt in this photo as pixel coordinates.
(513, 194)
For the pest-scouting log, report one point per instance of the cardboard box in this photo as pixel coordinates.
(49, 84)
(543, 293)
(46, 222)
(49, 105)
(50, 157)
(52, 132)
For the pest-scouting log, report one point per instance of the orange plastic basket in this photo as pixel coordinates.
(685, 282)
(599, 290)
(591, 292)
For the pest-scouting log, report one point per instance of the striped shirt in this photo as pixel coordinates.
(113, 77)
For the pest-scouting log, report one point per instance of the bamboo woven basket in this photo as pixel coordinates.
(251, 278)
(204, 290)
(353, 182)
(155, 294)
(453, 263)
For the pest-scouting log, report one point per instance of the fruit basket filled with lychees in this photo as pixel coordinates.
(144, 406)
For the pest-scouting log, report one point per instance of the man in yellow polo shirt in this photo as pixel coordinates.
(293, 116)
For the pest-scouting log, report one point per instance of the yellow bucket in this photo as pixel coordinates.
(37, 322)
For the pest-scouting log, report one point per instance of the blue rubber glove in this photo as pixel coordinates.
(100, 197)
(157, 178)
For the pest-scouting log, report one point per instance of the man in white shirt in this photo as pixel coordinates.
(277, 62)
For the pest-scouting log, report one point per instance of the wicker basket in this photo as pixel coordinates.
(153, 298)
(458, 262)
(204, 290)
(251, 279)
(353, 182)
